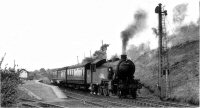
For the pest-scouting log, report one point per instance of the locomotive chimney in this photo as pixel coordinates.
(123, 56)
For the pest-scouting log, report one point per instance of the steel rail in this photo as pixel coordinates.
(164, 103)
(39, 104)
(140, 102)
(100, 102)
(30, 105)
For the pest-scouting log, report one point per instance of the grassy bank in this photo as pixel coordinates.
(184, 71)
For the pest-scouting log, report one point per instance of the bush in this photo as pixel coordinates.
(193, 101)
(184, 33)
(9, 91)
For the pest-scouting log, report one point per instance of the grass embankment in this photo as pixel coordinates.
(22, 94)
(184, 72)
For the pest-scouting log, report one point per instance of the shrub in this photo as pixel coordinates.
(193, 101)
(9, 83)
(184, 33)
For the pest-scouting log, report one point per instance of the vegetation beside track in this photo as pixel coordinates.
(183, 60)
(11, 91)
(9, 87)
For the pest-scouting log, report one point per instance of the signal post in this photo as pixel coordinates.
(163, 64)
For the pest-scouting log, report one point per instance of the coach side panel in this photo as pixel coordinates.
(61, 75)
(76, 75)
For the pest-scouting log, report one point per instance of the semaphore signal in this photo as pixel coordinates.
(163, 63)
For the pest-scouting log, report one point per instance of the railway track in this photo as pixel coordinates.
(38, 104)
(87, 101)
(104, 101)
(154, 103)
(140, 101)
(92, 101)
(162, 103)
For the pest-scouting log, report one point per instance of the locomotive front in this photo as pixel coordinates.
(123, 82)
(125, 69)
(115, 78)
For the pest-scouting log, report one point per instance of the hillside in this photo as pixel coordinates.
(184, 71)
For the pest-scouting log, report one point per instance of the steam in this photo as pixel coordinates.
(137, 26)
(179, 13)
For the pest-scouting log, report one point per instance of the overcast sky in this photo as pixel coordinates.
(52, 33)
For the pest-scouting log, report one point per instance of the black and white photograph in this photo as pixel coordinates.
(99, 53)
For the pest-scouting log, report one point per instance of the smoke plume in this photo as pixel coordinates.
(179, 13)
(137, 26)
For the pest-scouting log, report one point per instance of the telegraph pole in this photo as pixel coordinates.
(102, 45)
(14, 65)
(90, 54)
(162, 49)
(2, 60)
(77, 60)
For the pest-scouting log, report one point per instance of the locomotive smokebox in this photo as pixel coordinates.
(123, 57)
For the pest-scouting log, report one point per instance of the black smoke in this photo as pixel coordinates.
(137, 26)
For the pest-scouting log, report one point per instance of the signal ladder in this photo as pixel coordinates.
(164, 55)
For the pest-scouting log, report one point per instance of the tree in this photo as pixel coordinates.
(134, 52)
(114, 57)
(98, 54)
(87, 60)
(104, 47)
(101, 54)
(184, 33)
(42, 70)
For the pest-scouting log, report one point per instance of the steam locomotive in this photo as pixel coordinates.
(101, 77)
